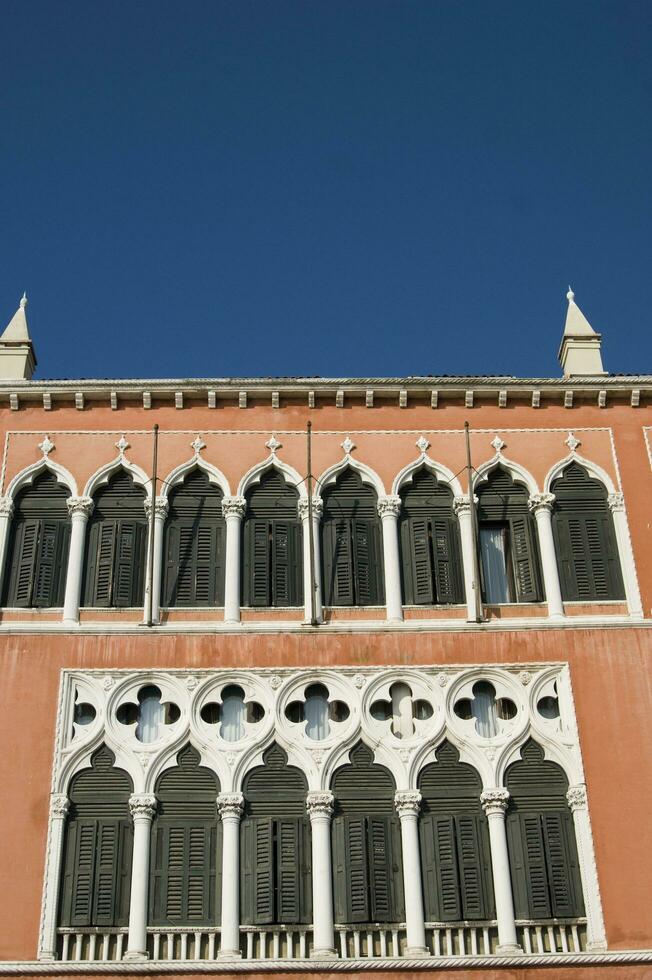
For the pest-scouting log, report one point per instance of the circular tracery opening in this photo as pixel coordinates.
(232, 714)
(317, 711)
(402, 710)
(149, 715)
(486, 709)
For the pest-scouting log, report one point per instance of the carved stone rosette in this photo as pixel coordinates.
(389, 505)
(320, 803)
(143, 806)
(230, 805)
(541, 501)
(160, 508)
(317, 508)
(494, 800)
(233, 507)
(80, 505)
(576, 797)
(407, 801)
(59, 805)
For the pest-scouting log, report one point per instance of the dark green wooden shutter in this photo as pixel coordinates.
(263, 870)
(444, 538)
(562, 873)
(470, 867)
(342, 592)
(447, 871)
(288, 870)
(259, 582)
(83, 873)
(106, 537)
(281, 564)
(51, 564)
(26, 547)
(128, 564)
(533, 845)
(106, 872)
(206, 566)
(364, 573)
(356, 858)
(381, 868)
(420, 551)
(429, 868)
(341, 882)
(524, 565)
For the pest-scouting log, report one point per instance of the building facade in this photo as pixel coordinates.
(384, 707)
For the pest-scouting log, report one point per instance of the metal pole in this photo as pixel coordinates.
(152, 526)
(311, 533)
(477, 599)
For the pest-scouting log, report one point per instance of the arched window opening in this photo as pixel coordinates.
(98, 845)
(37, 555)
(509, 560)
(585, 538)
(115, 556)
(367, 856)
(185, 880)
(541, 839)
(232, 714)
(455, 853)
(352, 564)
(430, 542)
(149, 716)
(272, 568)
(194, 544)
(275, 855)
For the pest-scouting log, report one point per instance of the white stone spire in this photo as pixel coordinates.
(579, 353)
(17, 357)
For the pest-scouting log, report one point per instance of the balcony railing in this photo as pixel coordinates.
(292, 942)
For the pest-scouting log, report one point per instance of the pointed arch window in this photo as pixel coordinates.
(185, 887)
(115, 556)
(275, 850)
(455, 854)
(272, 551)
(37, 556)
(430, 542)
(98, 846)
(509, 558)
(352, 544)
(585, 539)
(541, 839)
(367, 856)
(194, 544)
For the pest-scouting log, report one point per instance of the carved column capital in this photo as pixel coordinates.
(616, 502)
(462, 505)
(59, 805)
(233, 507)
(540, 501)
(320, 803)
(389, 506)
(142, 806)
(6, 506)
(494, 800)
(82, 506)
(317, 507)
(230, 805)
(160, 508)
(407, 801)
(576, 797)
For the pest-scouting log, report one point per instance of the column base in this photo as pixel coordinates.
(599, 947)
(418, 952)
(509, 949)
(324, 953)
(229, 954)
(135, 956)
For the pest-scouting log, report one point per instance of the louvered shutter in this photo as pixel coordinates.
(566, 561)
(561, 873)
(175, 872)
(615, 576)
(128, 564)
(381, 868)
(263, 870)
(341, 575)
(281, 562)
(205, 590)
(444, 540)
(186, 566)
(201, 875)
(52, 553)
(172, 553)
(25, 550)
(365, 573)
(105, 533)
(305, 871)
(258, 578)
(535, 865)
(429, 868)
(106, 873)
(81, 906)
(340, 869)
(288, 871)
(247, 873)
(423, 591)
(470, 867)
(517, 866)
(450, 909)
(523, 560)
(357, 869)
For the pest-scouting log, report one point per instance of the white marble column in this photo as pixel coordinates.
(143, 809)
(462, 508)
(160, 513)
(625, 553)
(6, 511)
(389, 508)
(59, 805)
(233, 509)
(408, 804)
(540, 505)
(320, 810)
(595, 932)
(80, 509)
(230, 806)
(494, 803)
(317, 510)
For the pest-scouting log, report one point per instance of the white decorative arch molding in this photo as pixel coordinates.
(365, 472)
(177, 476)
(518, 473)
(253, 476)
(554, 750)
(443, 474)
(594, 471)
(27, 476)
(104, 474)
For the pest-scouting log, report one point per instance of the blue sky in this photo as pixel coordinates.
(329, 187)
